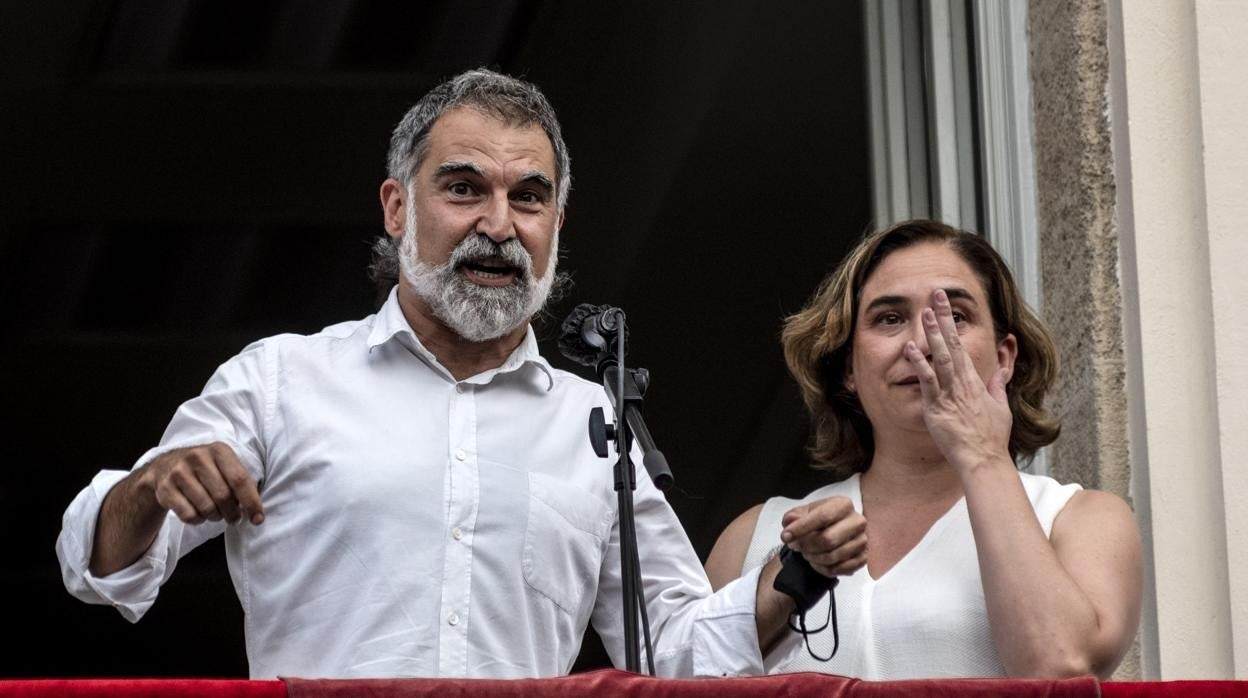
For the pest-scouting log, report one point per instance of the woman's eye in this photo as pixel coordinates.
(888, 319)
(959, 316)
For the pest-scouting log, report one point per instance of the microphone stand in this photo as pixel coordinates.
(636, 381)
(629, 386)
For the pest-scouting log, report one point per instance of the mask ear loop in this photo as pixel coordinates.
(801, 629)
(805, 586)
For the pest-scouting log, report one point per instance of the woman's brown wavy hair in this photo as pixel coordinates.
(817, 342)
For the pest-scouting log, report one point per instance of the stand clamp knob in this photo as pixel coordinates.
(600, 432)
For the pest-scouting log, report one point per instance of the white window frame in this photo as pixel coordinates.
(951, 125)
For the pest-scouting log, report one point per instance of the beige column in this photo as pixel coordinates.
(1220, 28)
(1141, 110)
(1177, 114)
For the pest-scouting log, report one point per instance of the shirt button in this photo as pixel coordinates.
(456, 533)
(460, 455)
(460, 388)
(453, 619)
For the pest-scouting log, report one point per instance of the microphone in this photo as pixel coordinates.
(588, 331)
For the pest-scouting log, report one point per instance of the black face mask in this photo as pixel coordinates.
(799, 581)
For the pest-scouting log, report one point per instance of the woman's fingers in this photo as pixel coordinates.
(949, 361)
(943, 309)
(929, 385)
(942, 357)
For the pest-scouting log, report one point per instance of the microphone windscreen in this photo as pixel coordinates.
(571, 344)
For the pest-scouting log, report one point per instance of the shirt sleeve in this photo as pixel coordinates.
(694, 632)
(232, 409)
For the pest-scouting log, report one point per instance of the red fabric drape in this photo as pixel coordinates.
(141, 688)
(1174, 689)
(611, 682)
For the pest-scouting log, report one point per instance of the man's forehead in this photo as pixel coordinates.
(467, 134)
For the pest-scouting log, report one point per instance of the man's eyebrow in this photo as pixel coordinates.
(539, 178)
(453, 167)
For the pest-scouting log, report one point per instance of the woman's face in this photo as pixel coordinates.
(889, 315)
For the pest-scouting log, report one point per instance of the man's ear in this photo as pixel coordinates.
(394, 205)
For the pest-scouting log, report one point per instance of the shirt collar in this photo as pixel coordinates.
(390, 324)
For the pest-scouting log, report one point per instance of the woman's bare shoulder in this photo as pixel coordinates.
(726, 558)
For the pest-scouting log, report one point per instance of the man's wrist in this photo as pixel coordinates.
(801, 582)
(772, 608)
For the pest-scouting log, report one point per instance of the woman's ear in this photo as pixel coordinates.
(1007, 353)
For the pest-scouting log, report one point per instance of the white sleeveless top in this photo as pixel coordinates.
(924, 618)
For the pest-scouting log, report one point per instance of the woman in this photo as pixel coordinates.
(925, 373)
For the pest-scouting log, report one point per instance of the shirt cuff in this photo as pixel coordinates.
(131, 590)
(726, 640)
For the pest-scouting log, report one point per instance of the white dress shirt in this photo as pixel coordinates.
(421, 526)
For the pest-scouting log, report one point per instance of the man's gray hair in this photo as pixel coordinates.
(513, 101)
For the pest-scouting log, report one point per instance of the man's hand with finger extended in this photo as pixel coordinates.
(203, 483)
(198, 483)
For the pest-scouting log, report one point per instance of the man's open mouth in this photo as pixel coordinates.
(490, 269)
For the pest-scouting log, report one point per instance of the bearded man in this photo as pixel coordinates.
(412, 494)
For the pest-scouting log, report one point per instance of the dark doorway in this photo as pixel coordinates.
(182, 178)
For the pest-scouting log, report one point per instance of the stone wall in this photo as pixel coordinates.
(1069, 65)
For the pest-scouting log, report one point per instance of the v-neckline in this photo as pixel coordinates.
(940, 523)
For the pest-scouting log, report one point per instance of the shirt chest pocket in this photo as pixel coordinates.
(564, 541)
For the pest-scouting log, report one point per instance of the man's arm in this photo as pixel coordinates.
(200, 483)
(117, 544)
(771, 608)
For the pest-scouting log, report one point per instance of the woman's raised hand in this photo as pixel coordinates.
(969, 420)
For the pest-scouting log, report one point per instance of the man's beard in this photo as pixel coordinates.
(477, 313)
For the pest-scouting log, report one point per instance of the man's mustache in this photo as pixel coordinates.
(479, 247)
